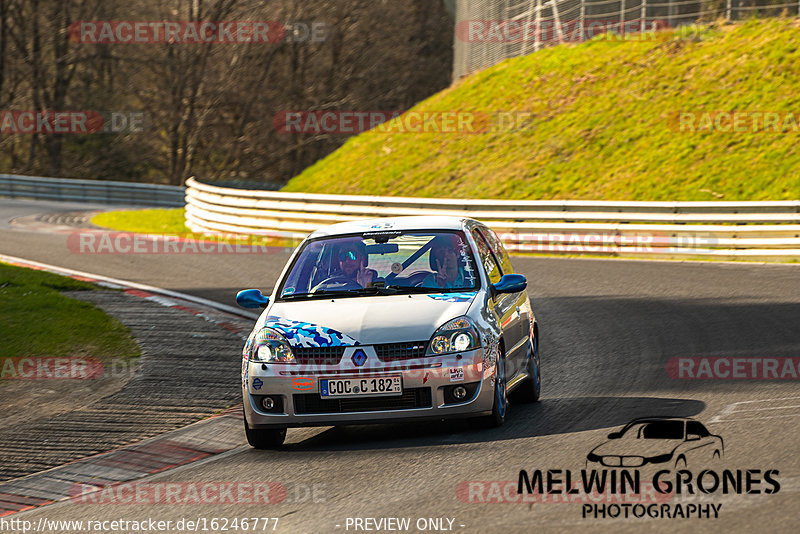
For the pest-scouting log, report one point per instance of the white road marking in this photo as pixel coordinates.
(729, 412)
(133, 285)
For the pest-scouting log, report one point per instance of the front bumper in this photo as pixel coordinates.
(425, 381)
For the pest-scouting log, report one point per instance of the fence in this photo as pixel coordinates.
(488, 31)
(63, 189)
(647, 229)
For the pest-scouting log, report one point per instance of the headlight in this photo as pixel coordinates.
(457, 335)
(659, 459)
(270, 347)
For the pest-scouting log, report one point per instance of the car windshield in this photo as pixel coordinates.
(382, 263)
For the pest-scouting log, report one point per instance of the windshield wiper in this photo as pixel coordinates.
(374, 290)
(316, 294)
(413, 289)
(326, 293)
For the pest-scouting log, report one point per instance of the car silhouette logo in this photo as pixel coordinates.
(359, 358)
(658, 440)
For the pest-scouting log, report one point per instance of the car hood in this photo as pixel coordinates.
(365, 320)
(637, 447)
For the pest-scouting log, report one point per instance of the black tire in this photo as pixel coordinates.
(500, 406)
(530, 389)
(270, 438)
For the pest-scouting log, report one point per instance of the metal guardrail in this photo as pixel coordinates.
(650, 229)
(103, 192)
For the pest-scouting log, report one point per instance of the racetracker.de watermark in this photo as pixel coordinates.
(733, 368)
(66, 368)
(734, 122)
(72, 122)
(208, 492)
(197, 32)
(99, 242)
(568, 31)
(338, 122)
(608, 242)
(507, 492)
(391, 122)
(50, 368)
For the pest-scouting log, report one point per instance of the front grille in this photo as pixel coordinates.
(411, 398)
(393, 352)
(318, 355)
(622, 461)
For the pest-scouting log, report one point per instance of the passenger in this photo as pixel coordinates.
(444, 259)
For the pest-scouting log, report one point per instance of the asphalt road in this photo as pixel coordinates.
(609, 329)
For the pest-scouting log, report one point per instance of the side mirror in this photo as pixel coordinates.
(511, 283)
(251, 299)
(615, 435)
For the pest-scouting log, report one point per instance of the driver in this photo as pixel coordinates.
(353, 264)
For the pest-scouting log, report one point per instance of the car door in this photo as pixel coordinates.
(523, 302)
(505, 306)
(699, 444)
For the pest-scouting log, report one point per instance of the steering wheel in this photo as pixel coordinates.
(347, 283)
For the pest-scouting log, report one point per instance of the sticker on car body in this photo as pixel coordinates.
(452, 297)
(300, 334)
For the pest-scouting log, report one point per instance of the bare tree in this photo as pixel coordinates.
(210, 106)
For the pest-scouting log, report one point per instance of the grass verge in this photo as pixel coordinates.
(171, 222)
(37, 320)
(151, 221)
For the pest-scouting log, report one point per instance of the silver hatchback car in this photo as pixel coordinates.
(389, 320)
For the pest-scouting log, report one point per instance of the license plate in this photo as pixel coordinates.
(361, 387)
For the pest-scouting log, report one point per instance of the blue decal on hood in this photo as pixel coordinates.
(300, 334)
(452, 297)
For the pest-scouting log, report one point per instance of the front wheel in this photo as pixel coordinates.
(530, 389)
(269, 438)
(500, 405)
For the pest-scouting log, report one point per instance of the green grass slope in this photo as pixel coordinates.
(600, 125)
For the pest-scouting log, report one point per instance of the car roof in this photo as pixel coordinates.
(658, 419)
(438, 222)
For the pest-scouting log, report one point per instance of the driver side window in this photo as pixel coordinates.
(487, 259)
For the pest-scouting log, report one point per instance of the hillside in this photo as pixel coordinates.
(603, 125)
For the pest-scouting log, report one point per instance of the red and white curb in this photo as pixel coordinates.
(179, 447)
(194, 442)
(207, 309)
